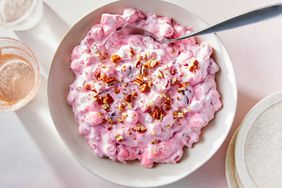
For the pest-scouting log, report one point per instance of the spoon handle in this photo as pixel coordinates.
(238, 21)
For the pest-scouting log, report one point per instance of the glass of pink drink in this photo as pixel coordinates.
(19, 75)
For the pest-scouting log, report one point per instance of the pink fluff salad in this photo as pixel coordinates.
(135, 98)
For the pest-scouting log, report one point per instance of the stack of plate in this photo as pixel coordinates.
(254, 156)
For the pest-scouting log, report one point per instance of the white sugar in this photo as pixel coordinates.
(264, 148)
(12, 10)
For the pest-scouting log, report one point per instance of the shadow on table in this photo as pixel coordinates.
(37, 121)
(44, 40)
(45, 37)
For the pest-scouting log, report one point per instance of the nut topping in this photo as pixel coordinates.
(155, 142)
(194, 65)
(138, 63)
(157, 113)
(167, 103)
(108, 99)
(99, 99)
(182, 86)
(128, 98)
(117, 90)
(102, 55)
(150, 84)
(106, 106)
(173, 81)
(160, 74)
(140, 129)
(110, 81)
(131, 52)
(151, 63)
(178, 114)
(119, 138)
(122, 106)
(134, 94)
(87, 86)
(115, 58)
(139, 80)
(144, 88)
(143, 70)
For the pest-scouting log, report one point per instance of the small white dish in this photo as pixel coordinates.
(258, 145)
(132, 174)
(231, 173)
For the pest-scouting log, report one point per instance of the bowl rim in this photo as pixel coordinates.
(224, 136)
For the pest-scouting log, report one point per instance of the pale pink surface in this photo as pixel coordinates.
(248, 55)
(164, 138)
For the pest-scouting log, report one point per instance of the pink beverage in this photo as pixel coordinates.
(19, 75)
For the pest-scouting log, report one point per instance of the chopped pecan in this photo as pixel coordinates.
(122, 106)
(140, 129)
(110, 81)
(117, 90)
(101, 55)
(123, 68)
(173, 80)
(134, 94)
(124, 115)
(158, 113)
(119, 138)
(144, 88)
(108, 99)
(128, 98)
(110, 121)
(152, 63)
(160, 74)
(194, 66)
(178, 114)
(167, 103)
(138, 63)
(115, 58)
(182, 86)
(102, 77)
(97, 74)
(155, 141)
(131, 52)
(143, 70)
(99, 99)
(168, 126)
(138, 80)
(87, 86)
(129, 132)
(150, 84)
(106, 106)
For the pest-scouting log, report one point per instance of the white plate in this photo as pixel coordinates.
(231, 173)
(132, 174)
(258, 147)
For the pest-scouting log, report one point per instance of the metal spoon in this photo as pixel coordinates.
(238, 21)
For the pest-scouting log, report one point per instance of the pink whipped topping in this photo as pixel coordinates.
(134, 98)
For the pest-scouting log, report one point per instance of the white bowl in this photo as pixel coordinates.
(132, 174)
(257, 150)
